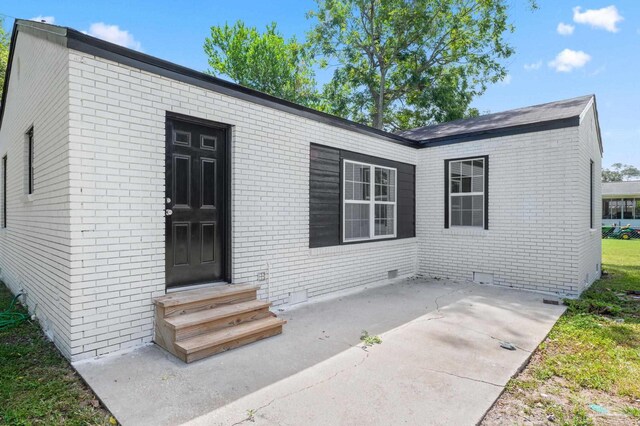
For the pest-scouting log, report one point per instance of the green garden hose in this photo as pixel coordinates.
(12, 316)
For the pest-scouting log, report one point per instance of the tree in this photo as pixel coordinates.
(263, 61)
(4, 53)
(403, 64)
(621, 172)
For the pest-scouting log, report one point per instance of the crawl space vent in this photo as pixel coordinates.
(482, 278)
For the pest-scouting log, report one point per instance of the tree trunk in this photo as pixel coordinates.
(378, 117)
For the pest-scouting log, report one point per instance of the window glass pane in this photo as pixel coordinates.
(466, 184)
(357, 186)
(466, 203)
(616, 209)
(384, 219)
(348, 171)
(605, 209)
(356, 224)
(455, 186)
(476, 218)
(477, 202)
(465, 168)
(455, 169)
(637, 208)
(478, 168)
(466, 218)
(628, 209)
(456, 202)
(456, 217)
(477, 182)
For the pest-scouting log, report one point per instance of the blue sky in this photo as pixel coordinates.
(564, 49)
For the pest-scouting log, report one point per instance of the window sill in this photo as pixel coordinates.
(463, 230)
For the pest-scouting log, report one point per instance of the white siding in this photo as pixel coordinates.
(532, 241)
(117, 183)
(34, 248)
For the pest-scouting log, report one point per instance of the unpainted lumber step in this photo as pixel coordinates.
(215, 314)
(221, 340)
(191, 296)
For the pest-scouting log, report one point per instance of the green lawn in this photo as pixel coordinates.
(37, 385)
(591, 356)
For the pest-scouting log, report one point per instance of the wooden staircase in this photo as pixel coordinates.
(195, 324)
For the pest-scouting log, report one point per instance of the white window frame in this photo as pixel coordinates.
(372, 203)
(465, 194)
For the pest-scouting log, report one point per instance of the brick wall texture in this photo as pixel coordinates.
(88, 246)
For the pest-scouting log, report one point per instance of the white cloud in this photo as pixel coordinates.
(114, 34)
(533, 66)
(47, 19)
(568, 60)
(565, 29)
(605, 18)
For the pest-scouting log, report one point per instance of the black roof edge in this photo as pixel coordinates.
(94, 46)
(7, 74)
(504, 131)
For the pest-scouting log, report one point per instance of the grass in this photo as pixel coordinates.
(591, 356)
(37, 385)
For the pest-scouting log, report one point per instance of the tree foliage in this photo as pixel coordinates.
(263, 61)
(4, 53)
(403, 64)
(620, 172)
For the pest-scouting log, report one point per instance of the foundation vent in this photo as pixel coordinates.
(482, 278)
(392, 274)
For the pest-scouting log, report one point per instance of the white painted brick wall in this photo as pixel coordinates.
(117, 136)
(588, 241)
(34, 248)
(89, 247)
(537, 228)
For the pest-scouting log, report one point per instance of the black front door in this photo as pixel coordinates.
(195, 211)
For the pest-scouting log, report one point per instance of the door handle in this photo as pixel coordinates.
(168, 212)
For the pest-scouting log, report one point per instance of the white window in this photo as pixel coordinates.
(467, 192)
(369, 201)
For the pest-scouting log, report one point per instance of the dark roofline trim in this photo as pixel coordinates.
(7, 74)
(560, 123)
(93, 46)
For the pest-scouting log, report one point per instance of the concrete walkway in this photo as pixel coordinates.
(439, 363)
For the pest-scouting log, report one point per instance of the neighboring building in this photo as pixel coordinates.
(621, 203)
(124, 176)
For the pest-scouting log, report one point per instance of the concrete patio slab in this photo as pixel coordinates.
(439, 363)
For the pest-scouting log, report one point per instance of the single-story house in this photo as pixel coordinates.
(126, 179)
(621, 203)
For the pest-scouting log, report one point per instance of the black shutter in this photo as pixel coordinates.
(324, 196)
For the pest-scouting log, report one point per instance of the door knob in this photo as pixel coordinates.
(168, 212)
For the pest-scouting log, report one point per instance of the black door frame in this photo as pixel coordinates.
(226, 212)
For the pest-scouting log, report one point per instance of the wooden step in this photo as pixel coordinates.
(222, 340)
(200, 322)
(183, 302)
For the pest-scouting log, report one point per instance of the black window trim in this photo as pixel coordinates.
(486, 188)
(30, 149)
(4, 191)
(591, 201)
